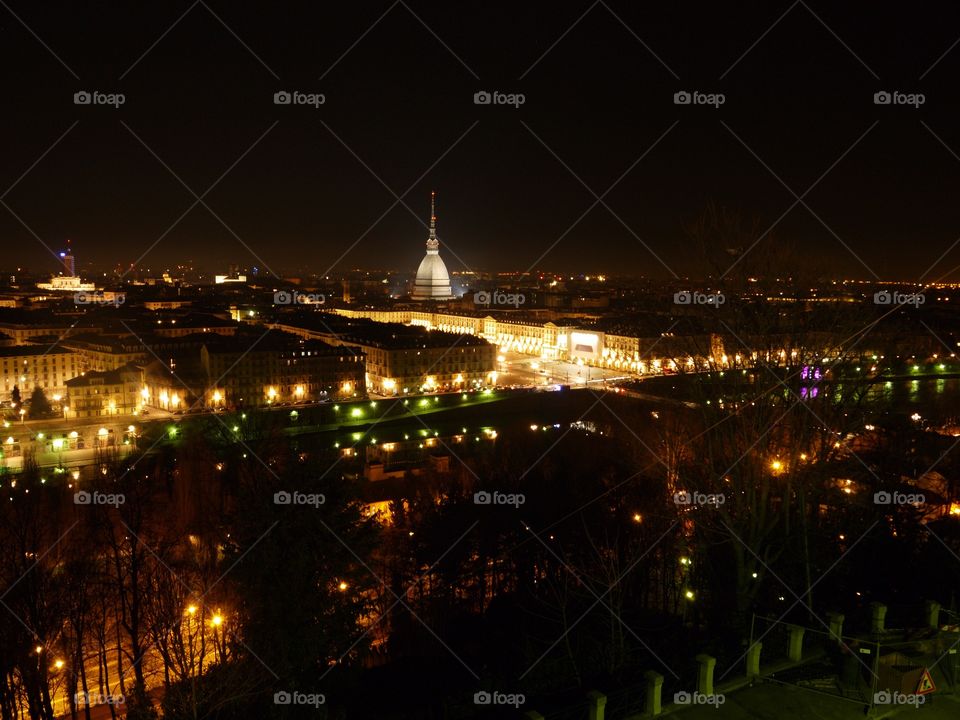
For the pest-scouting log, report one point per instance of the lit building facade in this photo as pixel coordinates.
(30, 366)
(104, 393)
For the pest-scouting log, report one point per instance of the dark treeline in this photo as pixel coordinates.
(200, 596)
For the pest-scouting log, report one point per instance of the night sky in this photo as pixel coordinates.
(599, 81)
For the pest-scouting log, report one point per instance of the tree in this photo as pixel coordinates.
(15, 396)
(39, 405)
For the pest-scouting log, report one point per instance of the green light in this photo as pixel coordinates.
(463, 397)
(336, 408)
(356, 412)
(373, 404)
(236, 428)
(424, 402)
(356, 436)
(172, 432)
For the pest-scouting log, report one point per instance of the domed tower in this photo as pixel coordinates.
(433, 281)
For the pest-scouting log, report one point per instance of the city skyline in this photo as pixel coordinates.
(317, 185)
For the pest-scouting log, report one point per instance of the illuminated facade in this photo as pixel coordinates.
(30, 366)
(96, 394)
(549, 341)
(433, 281)
(403, 360)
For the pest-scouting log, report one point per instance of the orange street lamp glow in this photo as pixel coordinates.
(343, 586)
(217, 620)
(191, 609)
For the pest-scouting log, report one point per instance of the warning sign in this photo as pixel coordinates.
(926, 686)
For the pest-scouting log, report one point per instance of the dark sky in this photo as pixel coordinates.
(199, 93)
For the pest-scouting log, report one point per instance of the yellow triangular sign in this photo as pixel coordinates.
(926, 686)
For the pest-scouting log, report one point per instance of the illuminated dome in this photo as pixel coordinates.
(433, 280)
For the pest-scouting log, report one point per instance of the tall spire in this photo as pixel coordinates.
(432, 242)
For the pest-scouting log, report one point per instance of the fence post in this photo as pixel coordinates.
(653, 705)
(705, 673)
(795, 652)
(753, 660)
(836, 626)
(597, 702)
(932, 608)
(878, 617)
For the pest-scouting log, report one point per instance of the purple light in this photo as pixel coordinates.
(805, 373)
